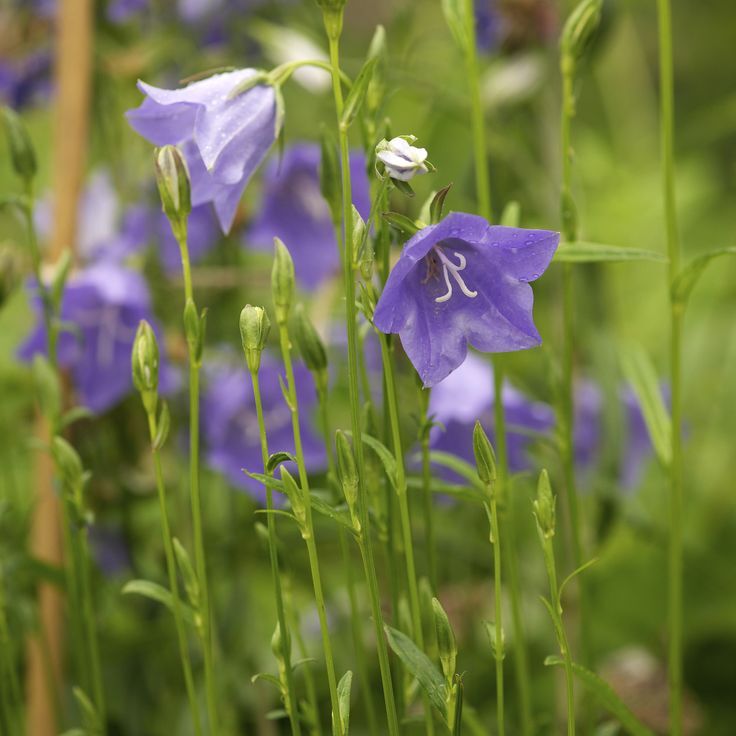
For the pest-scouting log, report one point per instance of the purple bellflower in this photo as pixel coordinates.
(230, 424)
(26, 82)
(104, 303)
(223, 138)
(463, 281)
(294, 210)
(467, 395)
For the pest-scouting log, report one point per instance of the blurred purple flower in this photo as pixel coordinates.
(467, 395)
(103, 304)
(294, 210)
(121, 11)
(26, 81)
(230, 425)
(223, 139)
(464, 281)
(110, 550)
(487, 24)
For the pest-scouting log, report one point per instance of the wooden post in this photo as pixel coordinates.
(73, 67)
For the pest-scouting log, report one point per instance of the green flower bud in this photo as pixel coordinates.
(485, 459)
(348, 474)
(22, 153)
(280, 644)
(68, 462)
(497, 646)
(544, 506)
(580, 29)
(294, 494)
(255, 327)
(144, 359)
(309, 342)
(445, 640)
(193, 328)
(172, 178)
(332, 12)
(282, 281)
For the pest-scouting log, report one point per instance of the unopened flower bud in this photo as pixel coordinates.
(279, 643)
(309, 342)
(332, 12)
(446, 643)
(485, 458)
(282, 281)
(401, 159)
(580, 29)
(294, 494)
(172, 178)
(254, 329)
(348, 474)
(68, 462)
(144, 359)
(544, 506)
(22, 153)
(497, 646)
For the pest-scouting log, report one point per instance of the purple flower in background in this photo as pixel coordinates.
(487, 24)
(230, 424)
(202, 235)
(294, 210)
(26, 81)
(463, 282)
(121, 11)
(104, 303)
(223, 139)
(467, 395)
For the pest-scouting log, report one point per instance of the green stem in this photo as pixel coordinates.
(482, 183)
(496, 541)
(308, 532)
(291, 702)
(11, 693)
(357, 633)
(196, 501)
(308, 676)
(675, 564)
(428, 505)
(173, 584)
(521, 662)
(349, 287)
(404, 513)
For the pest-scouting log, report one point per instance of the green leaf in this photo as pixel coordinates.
(511, 215)
(322, 507)
(74, 415)
(420, 666)
(277, 458)
(163, 425)
(449, 489)
(357, 92)
(687, 278)
(47, 386)
(605, 694)
(454, 12)
(576, 572)
(266, 677)
(438, 204)
(158, 593)
(404, 224)
(581, 252)
(642, 376)
(384, 455)
(191, 582)
(92, 718)
(461, 467)
(343, 699)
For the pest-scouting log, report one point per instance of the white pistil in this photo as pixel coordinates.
(453, 269)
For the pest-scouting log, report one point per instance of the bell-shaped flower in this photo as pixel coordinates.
(224, 133)
(230, 423)
(102, 307)
(294, 210)
(463, 281)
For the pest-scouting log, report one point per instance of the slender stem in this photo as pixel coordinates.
(667, 116)
(428, 505)
(404, 513)
(521, 662)
(482, 183)
(11, 694)
(186, 664)
(308, 676)
(496, 541)
(196, 501)
(308, 533)
(291, 702)
(357, 632)
(349, 286)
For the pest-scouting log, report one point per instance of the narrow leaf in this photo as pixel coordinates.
(191, 583)
(461, 467)
(438, 204)
(581, 252)
(343, 699)
(686, 280)
(266, 677)
(158, 593)
(576, 572)
(454, 12)
(511, 215)
(420, 666)
(606, 695)
(322, 507)
(162, 427)
(276, 459)
(357, 92)
(384, 455)
(404, 224)
(640, 373)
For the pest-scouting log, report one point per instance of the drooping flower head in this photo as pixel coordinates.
(103, 304)
(230, 424)
(224, 134)
(463, 281)
(402, 160)
(467, 395)
(294, 210)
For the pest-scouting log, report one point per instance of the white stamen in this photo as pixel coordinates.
(450, 268)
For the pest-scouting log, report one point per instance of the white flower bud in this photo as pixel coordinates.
(401, 159)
